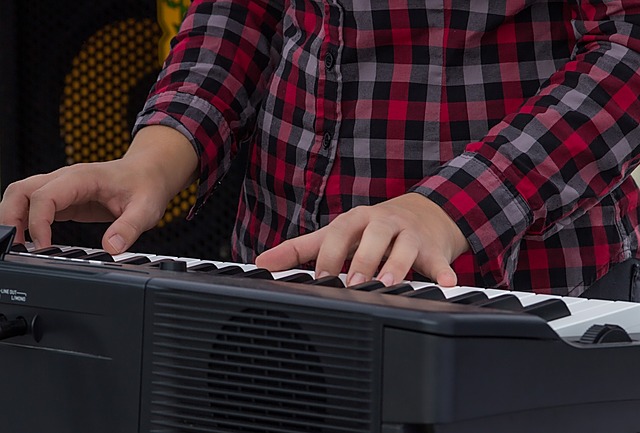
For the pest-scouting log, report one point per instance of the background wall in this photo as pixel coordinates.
(74, 75)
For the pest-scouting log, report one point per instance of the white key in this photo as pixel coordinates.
(624, 314)
(282, 274)
(123, 256)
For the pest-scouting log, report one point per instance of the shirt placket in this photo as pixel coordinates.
(328, 114)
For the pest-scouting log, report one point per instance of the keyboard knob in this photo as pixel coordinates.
(598, 334)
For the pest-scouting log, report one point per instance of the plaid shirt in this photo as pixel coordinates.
(518, 117)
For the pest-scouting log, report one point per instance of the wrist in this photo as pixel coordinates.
(165, 157)
(455, 241)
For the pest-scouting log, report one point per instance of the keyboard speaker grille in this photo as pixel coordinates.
(227, 365)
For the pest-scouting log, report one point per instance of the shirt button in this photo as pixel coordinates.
(329, 61)
(326, 140)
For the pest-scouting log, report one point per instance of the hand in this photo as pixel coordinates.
(410, 231)
(133, 192)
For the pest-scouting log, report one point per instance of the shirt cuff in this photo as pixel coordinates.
(202, 125)
(489, 211)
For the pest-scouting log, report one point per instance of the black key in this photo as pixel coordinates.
(396, 289)
(469, 298)
(329, 281)
(101, 256)
(47, 251)
(258, 274)
(19, 248)
(135, 260)
(368, 286)
(156, 264)
(432, 293)
(503, 302)
(203, 267)
(300, 277)
(549, 309)
(227, 270)
(72, 253)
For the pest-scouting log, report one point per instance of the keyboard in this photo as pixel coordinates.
(150, 343)
(569, 317)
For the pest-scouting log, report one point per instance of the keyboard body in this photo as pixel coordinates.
(127, 348)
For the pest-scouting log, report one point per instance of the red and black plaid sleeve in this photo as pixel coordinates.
(215, 77)
(555, 161)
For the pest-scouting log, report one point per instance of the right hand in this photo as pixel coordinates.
(133, 192)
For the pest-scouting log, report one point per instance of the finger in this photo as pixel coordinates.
(374, 244)
(403, 255)
(437, 267)
(14, 210)
(341, 239)
(138, 216)
(291, 253)
(55, 195)
(445, 275)
(89, 212)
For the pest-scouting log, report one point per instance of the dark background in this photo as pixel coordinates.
(39, 42)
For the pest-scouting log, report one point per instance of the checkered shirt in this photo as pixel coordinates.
(519, 117)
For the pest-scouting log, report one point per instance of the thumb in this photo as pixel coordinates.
(446, 277)
(127, 228)
(291, 253)
(440, 271)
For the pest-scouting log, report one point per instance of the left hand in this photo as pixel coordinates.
(409, 231)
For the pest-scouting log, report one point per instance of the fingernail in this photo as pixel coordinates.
(36, 244)
(356, 278)
(386, 279)
(322, 274)
(117, 242)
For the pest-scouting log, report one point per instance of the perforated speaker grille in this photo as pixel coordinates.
(220, 365)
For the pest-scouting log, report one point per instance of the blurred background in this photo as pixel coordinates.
(73, 76)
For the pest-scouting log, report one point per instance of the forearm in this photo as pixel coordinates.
(212, 82)
(166, 156)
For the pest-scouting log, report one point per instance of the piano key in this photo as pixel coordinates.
(243, 266)
(298, 277)
(257, 273)
(155, 262)
(624, 314)
(505, 301)
(46, 251)
(71, 253)
(134, 260)
(145, 259)
(19, 248)
(577, 305)
(227, 270)
(368, 286)
(202, 267)
(101, 256)
(450, 292)
(123, 256)
(549, 309)
(396, 289)
(431, 292)
(329, 280)
(470, 297)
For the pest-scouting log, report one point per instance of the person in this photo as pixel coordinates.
(484, 143)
